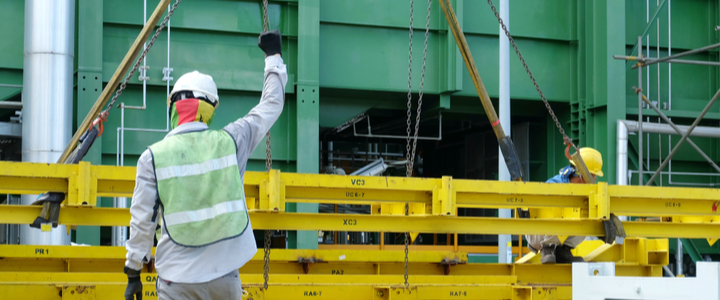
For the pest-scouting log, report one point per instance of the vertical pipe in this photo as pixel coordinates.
(49, 45)
(679, 258)
(640, 121)
(622, 157)
(659, 99)
(669, 53)
(657, 47)
(120, 233)
(144, 66)
(647, 48)
(660, 152)
(503, 173)
(167, 87)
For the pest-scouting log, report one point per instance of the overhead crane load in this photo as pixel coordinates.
(302, 273)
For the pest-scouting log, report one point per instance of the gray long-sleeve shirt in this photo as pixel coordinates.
(177, 263)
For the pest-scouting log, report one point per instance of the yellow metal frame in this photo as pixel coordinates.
(442, 196)
(351, 287)
(82, 183)
(74, 216)
(575, 209)
(78, 259)
(70, 272)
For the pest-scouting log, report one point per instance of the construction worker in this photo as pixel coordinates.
(192, 180)
(551, 249)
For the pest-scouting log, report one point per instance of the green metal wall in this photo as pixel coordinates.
(347, 56)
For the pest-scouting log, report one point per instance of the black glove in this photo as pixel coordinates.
(134, 286)
(270, 42)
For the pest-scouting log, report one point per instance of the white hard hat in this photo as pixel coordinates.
(200, 84)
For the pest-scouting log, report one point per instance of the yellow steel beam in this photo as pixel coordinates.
(109, 286)
(19, 214)
(586, 204)
(35, 178)
(36, 252)
(639, 256)
(502, 277)
(283, 292)
(461, 248)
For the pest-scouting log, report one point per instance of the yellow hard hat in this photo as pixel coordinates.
(593, 160)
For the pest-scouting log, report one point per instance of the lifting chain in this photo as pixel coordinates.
(566, 139)
(268, 167)
(411, 150)
(142, 56)
(266, 270)
(268, 151)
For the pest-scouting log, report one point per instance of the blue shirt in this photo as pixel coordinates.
(564, 177)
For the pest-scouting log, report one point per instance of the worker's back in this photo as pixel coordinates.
(205, 230)
(200, 187)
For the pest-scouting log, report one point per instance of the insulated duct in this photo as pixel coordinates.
(47, 95)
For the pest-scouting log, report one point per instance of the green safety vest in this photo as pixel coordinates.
(200, 187)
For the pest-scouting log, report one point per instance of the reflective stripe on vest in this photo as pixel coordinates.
(196, 169)
(204, 213)
(200, 187)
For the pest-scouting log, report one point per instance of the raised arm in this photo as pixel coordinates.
(249, 130)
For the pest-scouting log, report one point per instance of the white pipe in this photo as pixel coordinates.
(11, 85)
(699, 131)
(670, 173)
(640, 108)
(49, 45)
(622, 175)
(679, 258)
(647, 53)
(626, 126)
(167, 88)
(657, 47)
(669, 53)
(622, 154)
(660, 156)
(143, 69)
(504, 256)
(631, 172)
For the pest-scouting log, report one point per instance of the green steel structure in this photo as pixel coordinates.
(348, 57)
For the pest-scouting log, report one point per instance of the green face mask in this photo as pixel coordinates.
(191, 110)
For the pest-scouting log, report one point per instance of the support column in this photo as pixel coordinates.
(308, 114)
(504, 256)
(47, 95)
(89, 87)
(605, 86)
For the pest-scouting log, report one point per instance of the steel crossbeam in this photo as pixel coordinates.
(703, 228)
(72, 272)
(556, 209)
(438, 196)
(110, 286)
(74, 259)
